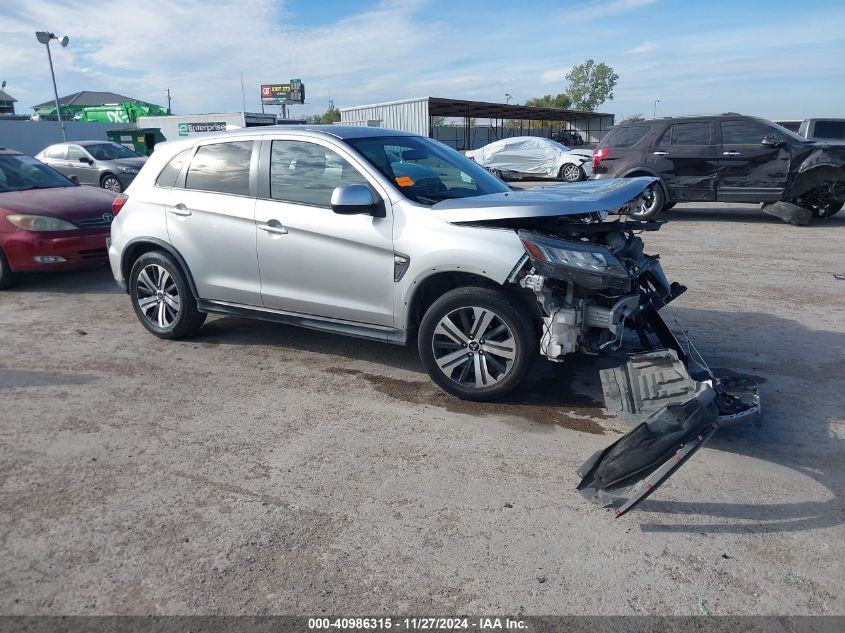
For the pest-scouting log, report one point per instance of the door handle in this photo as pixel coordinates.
(276, 229)
(660, 153)
(731, 153)
(180, 209)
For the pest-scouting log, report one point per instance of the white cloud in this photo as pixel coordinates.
(555, 75)
(645, 47)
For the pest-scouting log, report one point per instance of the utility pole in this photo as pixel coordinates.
(168, 101)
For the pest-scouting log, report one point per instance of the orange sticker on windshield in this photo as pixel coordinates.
(404, 181)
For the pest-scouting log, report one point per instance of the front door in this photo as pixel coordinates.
(312, 260)
(685, 157)
(81, 165)
(211, 222)
(748, 170)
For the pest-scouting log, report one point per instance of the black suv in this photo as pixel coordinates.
(725, 158)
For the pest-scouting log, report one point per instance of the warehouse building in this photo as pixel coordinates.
(503, 120)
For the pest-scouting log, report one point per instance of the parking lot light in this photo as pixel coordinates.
(44, 38)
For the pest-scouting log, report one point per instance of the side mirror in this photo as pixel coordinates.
(85, 159)
(74, 179)
(355, 200)
(772, 141)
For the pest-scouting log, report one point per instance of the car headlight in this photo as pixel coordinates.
(588, 265)
(129, 170)
(40, 223)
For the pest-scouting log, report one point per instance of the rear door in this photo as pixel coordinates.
(685, 157)
(748, 170)
(314, 261)
(211, 220)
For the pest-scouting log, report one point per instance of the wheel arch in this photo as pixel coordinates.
(137, 247)
(106, 174)
(644, 171)
(427, 290)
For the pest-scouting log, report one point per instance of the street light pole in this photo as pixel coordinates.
(656, 101)
(508, 98)
(44, 38)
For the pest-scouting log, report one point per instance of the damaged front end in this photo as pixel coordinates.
(599, 292)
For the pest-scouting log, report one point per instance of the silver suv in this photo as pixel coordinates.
(99, 163)
(388, 236)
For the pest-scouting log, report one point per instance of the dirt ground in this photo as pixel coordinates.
(260, 468)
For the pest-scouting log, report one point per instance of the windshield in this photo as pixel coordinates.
(19, 172)
(561, 146)
(426, 171)
(110, 151)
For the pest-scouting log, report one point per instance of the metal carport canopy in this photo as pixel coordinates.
(438, 106)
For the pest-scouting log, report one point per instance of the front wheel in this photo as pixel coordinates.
(7, 277)
(571, 173)
(111, 183)
(825, 209)
(476, 344)
(162, 298)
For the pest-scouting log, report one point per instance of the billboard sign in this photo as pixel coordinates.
(278, 94)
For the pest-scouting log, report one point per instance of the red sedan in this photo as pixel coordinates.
(48, 222)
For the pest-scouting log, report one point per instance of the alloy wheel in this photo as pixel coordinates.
(158, 296)
(571, 173)
(112, 184)
(474, 347)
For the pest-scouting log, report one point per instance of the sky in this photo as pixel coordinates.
(778, 59)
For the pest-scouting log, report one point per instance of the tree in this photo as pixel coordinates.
(590, 84)
(332, 115)
(548, 101)
(632, 117)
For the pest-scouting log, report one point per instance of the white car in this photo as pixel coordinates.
(534, 156)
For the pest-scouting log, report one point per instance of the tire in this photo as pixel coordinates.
(653, 202)
(789, 213)
(162, 298)
(7, 276)
(473, 370)
(111, 183)
(571, 172)
(668, 206)
(825, 210)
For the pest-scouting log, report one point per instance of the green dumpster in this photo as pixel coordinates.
(142, 140)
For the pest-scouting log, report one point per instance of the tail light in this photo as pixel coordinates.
(117, 203)
(598, 155)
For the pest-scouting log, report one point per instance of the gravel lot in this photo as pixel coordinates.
(259, 468)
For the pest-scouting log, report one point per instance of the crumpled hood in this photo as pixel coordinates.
(823, 154)
(590, 196)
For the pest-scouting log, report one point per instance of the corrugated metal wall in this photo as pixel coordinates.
(409, 116)
(30, 137)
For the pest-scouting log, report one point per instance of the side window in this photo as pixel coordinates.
(221, 167)
(57, 151)
(74, 153)
(171, 171)
(742, 133)
(692, 133)
(307, 173)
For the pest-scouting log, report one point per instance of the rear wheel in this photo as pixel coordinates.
(162, 298)
(7, 276)
(571, 173)
(824, 209)
(111, 183)
(476, 344)
(651, 202)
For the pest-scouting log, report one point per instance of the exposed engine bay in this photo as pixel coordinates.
(599, 292)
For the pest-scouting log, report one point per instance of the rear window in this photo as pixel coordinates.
(171, 171)
(221, 167)
(626, 136)
(829, 129)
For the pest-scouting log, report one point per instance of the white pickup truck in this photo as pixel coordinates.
(824, 130)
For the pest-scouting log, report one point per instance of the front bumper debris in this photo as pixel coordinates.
(679, 404)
